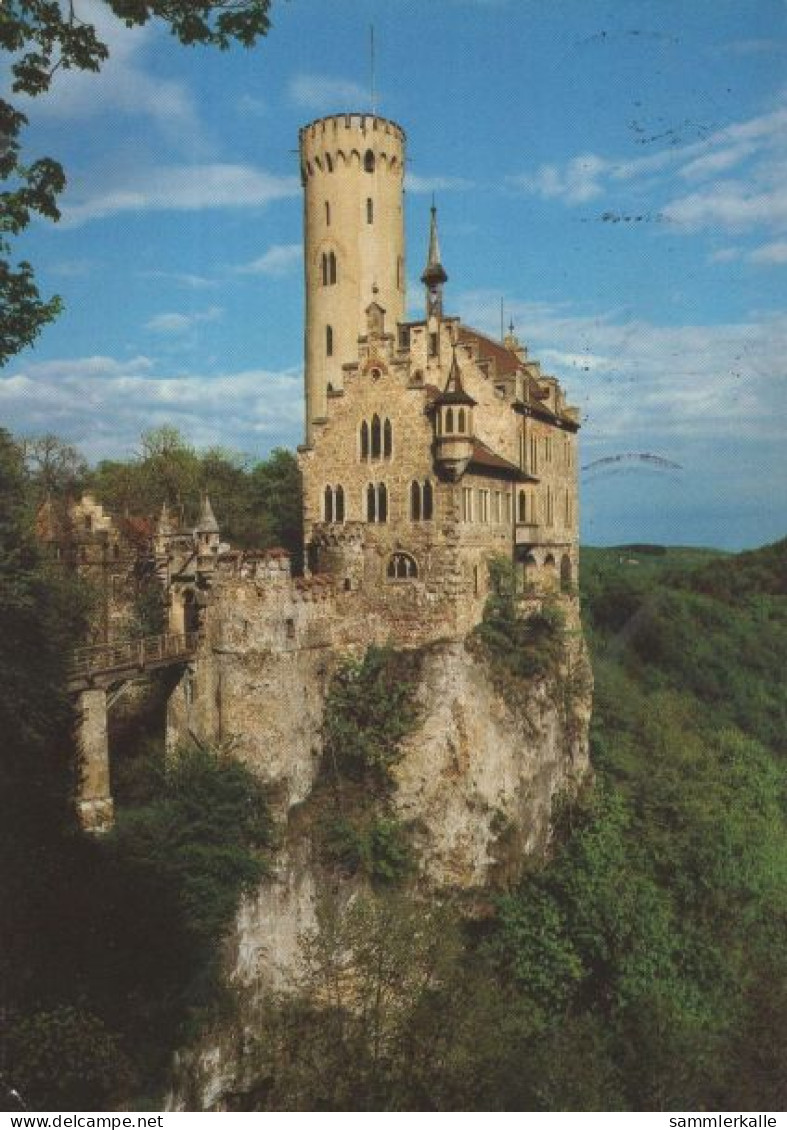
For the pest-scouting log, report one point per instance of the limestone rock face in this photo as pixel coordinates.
(479, 773)
(475, 784)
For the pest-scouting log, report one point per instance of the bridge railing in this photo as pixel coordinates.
(107, 657)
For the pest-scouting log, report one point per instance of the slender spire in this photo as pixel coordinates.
(434, 273)
(207, 519)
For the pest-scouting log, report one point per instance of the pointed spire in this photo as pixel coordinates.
(434, 273)
(207, 520)
(434, 270)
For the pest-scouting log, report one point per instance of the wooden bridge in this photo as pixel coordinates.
(103, 664)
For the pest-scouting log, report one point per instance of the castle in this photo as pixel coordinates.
(429, 447)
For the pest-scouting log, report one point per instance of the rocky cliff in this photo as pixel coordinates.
(473, 784)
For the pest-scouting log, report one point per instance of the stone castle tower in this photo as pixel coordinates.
(429, 446)
(352, 169)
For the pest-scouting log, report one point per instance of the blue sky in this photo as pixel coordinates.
(615, 172)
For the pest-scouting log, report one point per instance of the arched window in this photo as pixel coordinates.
(522, 507)
(327, 213)
(329, 341)
(461, 424)
(369, 210)
(368, 161)
(382, 503)
(332, 268)
(428, 501)
(415, 502)
(387, 439)
(449, 421)
(364, 440)
(328, 508)
(402, 567)
(376, 448)
(371, 504)
(324, 269)
(339, 505)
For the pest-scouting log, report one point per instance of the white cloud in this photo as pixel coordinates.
(771, 253)
(662, 386)
(725, 255)
(176, 188)
(330, 95)
(753, 152)
(122, 85)
(102, 404)
(578, 182)
(418, 184)
(181, 323)
(281, 259)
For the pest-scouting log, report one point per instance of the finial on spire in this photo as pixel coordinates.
(434, 273)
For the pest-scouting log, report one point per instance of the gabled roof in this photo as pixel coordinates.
(485, 459)
(506, 361)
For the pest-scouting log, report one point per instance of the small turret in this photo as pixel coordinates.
(434, 275)
(206, 531)
(453, 415)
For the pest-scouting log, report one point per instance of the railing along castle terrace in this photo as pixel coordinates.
(101, 664)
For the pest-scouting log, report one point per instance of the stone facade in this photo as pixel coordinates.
(429, 446)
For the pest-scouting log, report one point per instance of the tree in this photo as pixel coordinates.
(45, 37)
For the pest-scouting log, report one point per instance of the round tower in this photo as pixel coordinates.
(352, 170)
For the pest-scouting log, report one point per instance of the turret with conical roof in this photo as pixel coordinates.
(434, 273)
(453, 416)
(206, 531)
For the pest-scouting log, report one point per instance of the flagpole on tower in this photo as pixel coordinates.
(371, 68)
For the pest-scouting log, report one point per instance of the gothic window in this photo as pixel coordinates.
(461, 424)
(369, 210)
(467, 504)
(402, 567)
(329, 341)
(327, 214)
(368, 161)
(428, 501)
(382, 502)
(332, 268)
(376, 447)
(328, 508)
(371, 503)
(522, 507)
(415, 502)
(432, 345)
(483, 506)
(387, 439)
(449, 421)
(339, 504)
(364, 440)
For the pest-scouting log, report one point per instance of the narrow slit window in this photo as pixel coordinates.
(369, 210)
(329, 341)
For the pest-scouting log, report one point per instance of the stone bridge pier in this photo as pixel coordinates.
(95, 807)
